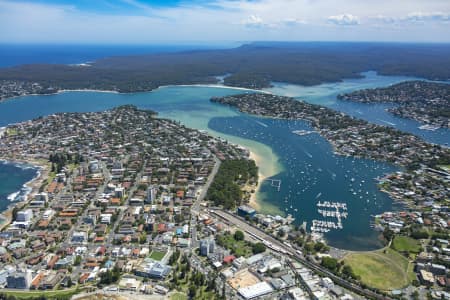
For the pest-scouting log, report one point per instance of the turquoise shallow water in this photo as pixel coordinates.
(308, 169)
(313, 173)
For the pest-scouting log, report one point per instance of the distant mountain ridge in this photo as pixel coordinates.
(253, 65)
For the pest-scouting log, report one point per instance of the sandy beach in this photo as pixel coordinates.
(265, 169)
(220, 86)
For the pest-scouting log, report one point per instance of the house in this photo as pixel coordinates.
(426, 277)
(129, 284)
(79, 237)
(229, 259)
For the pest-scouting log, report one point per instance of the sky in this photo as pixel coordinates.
(218, 21)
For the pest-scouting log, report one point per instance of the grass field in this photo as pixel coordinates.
(238, 248)
(178, 296)
(404, 243)
(157, 255)
(385, 271)
(20, 294)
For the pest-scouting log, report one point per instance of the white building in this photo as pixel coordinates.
(256, 290)
(39, 200)
(48, 214)
(24, 215)
(105, 218)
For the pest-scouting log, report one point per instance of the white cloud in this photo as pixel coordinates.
(384, 19)
(253, 21)
(344, 19)
(293, 22)
(224, 20)
(426, 16)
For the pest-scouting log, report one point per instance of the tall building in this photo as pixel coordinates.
(151, 195)
(19, 279)
(206, 247)
(24, 215)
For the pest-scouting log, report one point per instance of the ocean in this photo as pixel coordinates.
(12, 180)
(18, 54)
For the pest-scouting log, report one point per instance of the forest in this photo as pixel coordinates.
(225, 190)
(254, 65)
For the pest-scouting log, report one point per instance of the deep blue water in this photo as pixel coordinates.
(17, 54)
(312, 173)
(12, 179)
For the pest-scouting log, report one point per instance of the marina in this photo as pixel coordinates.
(324, 226)
(312, 174)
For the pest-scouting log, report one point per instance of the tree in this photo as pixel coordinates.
(258, 248)
(174, 257)
(388, 234)
(239, 235)
(143, 238)
(330, 263)
(77, 260)
(347, 271)
(319, 246)
(192, 291)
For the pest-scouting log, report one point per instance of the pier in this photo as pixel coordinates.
(275, 183)
(322, 226)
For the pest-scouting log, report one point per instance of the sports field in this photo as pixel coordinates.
(157, 255)
(382, 269)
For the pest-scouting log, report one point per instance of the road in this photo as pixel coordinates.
(130, 193)
(195, 209)
(300, 258)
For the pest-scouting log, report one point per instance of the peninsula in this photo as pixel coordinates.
(423, 101)
(422, 180)
(254, 66)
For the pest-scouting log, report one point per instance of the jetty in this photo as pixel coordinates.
(339, 212)
(275, 183)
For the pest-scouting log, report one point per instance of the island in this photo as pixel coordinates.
(423, 101)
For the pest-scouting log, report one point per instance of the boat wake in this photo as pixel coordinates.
(387, 122)
(262, 124)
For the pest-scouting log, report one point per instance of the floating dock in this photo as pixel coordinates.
(339, 212)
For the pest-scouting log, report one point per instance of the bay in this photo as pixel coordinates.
(308, 169)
